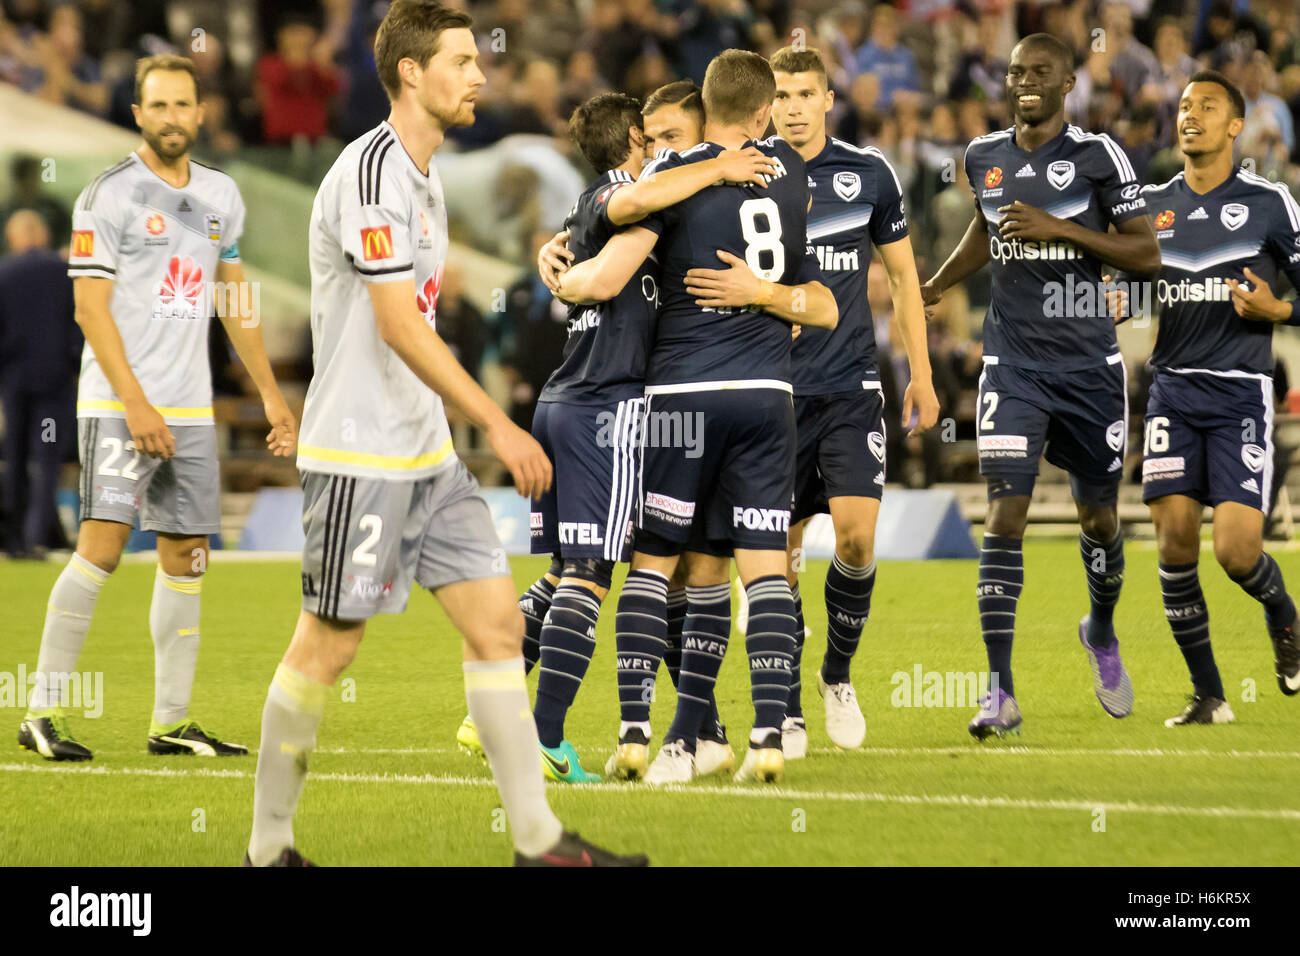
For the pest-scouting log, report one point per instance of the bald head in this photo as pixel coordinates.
(26, 230)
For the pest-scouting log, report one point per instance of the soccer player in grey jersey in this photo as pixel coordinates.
(151, 234)
(385, 499)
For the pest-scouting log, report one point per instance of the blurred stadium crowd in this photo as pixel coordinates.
(288, 83)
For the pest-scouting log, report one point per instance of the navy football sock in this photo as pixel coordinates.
(1104, 566)
(704, 643)
(676, 618)
(769, 644)
(794, 708)
(535, 602)
(640, 625)
(568, 641)
(1189, 619)
(1002, 576)
(1264, 583)
(848, 604)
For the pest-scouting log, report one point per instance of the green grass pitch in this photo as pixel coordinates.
(388, 786)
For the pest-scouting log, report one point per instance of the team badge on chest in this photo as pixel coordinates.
(1234, 216)
(1060, 173)
(847, 185)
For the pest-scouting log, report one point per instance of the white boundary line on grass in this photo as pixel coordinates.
(1012, 751)
(956, 800)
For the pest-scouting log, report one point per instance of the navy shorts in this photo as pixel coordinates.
(718, 469)
(587, 513)
(841, 449)
(1209, 437)
(1080, 418)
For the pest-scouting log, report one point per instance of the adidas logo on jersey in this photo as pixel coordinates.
(1251, 485)
(1115, 465)
(1025, 171)
(184, 206)
(832, 261)
(812, 183)
(1200, 213)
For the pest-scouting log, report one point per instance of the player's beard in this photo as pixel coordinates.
(157, 143)
(462, 114)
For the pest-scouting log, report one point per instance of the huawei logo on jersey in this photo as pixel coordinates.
(156, 224)
(376, 243)
(993, 177)
(1165, 219)
(426, 299)
(180, 291)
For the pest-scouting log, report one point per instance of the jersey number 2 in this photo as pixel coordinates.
(758, 241)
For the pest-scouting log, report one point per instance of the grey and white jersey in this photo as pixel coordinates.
(376, 218)
(160, 245)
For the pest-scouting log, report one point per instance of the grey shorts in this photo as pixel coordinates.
(179, 496)
(369, 538)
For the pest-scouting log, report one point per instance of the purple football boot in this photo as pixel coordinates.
(1109, 678)
(997, 715)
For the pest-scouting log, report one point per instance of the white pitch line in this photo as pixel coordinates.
(958, 800)
(1061, 752)
(1013, 751)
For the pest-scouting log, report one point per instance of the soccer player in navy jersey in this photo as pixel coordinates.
(720, 366)
(672, 119)
(839, 406)
(1225, 234)
(589, 414)
(1052, 204)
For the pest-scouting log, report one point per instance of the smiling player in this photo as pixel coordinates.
(1224, 235)
(1045, 194)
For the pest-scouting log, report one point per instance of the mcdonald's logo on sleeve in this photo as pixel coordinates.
(376, 243)
(83, 242)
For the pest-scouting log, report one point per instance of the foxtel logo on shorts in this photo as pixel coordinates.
(376, 243)
(1003, 446)
(1155, 469)
(760, 519)
(682, 509)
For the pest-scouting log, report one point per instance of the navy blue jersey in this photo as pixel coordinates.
(857, 201)
(765, 226)
(1246, 221)
(1083, 177)
(609, 342)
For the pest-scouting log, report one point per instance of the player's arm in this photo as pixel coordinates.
(970, 256)
(405, 331)
(1132, 246)
(245, 333)
(603, 276)
(666, 187)
(1253, 299)
(737, 287)
(148, 429)
(909, 323)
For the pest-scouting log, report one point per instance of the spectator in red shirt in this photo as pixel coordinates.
(296, 83)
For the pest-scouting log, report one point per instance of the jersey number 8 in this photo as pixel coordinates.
(758, 241)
